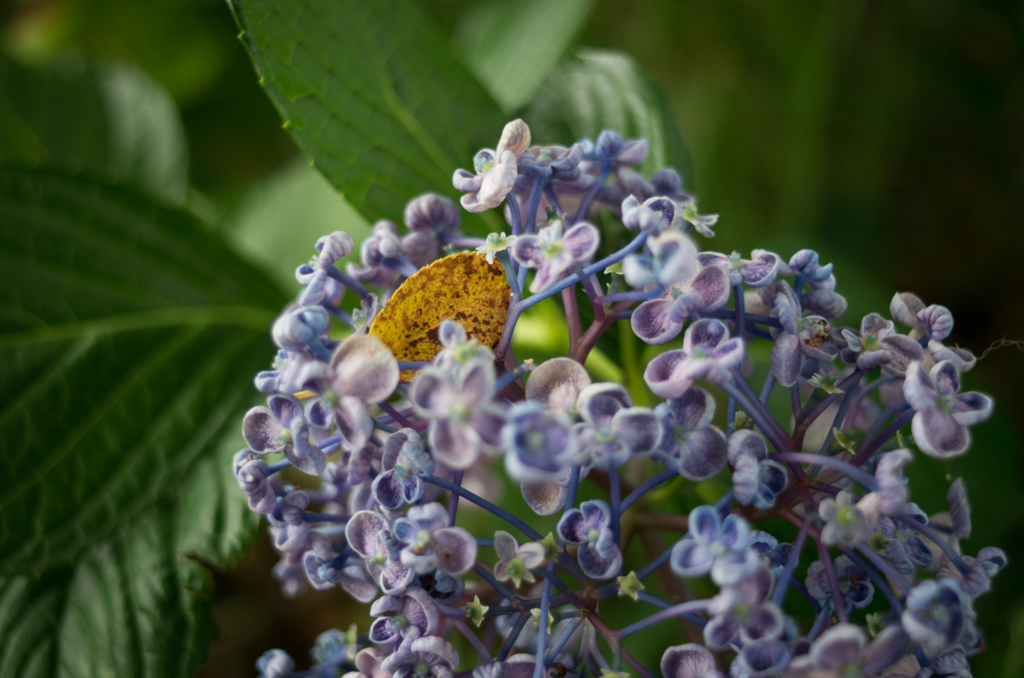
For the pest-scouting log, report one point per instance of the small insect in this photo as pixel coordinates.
(819, 332)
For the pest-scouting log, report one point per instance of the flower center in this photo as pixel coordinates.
(718, 549)
(423, 539)
(846, 516)
(679, 434)
(551, 249)
(402, 471)
(516, 568)
(593, 536)
(869, 341)
(735, 262)
(460, 413)
(399, 622)
(283, 437)
(946, 403)
(604, 435)
(535, 441)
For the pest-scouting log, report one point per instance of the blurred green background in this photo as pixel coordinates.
(889, 136)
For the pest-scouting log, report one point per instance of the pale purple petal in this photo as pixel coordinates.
(455, 444)
(638, 429)
(946, 378)
(361, 532)
(432, 394)
(527, 251)
(765, 623)
(596, 566)
(720, 631)
(786, 359)
(556, 384)
(939, 435)
(456, 550)
(705, 525)
(902, 351)
(573, 527)
(661, 375)
(761, 270)
(918, 388)
(653, 324)
(745, 441)
(688, 661)
(705, 334)
(581, 241)
(690, 558)
(544, 498)
(364, 368)
(838, 647)
(885, 649)
(703, 455)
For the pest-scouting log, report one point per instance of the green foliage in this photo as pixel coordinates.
(139, 605)
(113, 123)
(604, 89)
(278, 221)
(373, 95)
(130, 337)
(513, 46)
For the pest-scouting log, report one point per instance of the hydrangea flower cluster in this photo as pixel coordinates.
(386, 467)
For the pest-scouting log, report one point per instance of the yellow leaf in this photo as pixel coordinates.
(462, 287)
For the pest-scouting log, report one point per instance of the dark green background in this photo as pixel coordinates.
(889, 136)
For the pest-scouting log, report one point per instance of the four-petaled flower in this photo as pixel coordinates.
(495, 170)
(552, 253)
(659, 320)
(845, 521)
(689, 661)
(707, 353)
(369, 535)
(855, 588)
(743, 609)
(540, 444)
(283, 427)
(716, 546)
(843, 651)
(404, 461)
(943, 413)
(613, 431)
(937, 614)
(690, 444)
(398, 616)
(756, 479)
(878, 344)
(590, 525)
(430, 544)
(757, 272)
(514, 560)
(809, 336)
(905, 550)
(464, 422)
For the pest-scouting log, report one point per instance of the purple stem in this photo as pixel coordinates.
(935, 537)
(865, 452)
(833, 581)
(513, 212)
(510, 641)
(792, 561)
(884, 567)
(348, 281)
(662, 615)
(589, 197)
(484, 653)
(453, 500)
(858, 475)
(395, 414)
(615, 493)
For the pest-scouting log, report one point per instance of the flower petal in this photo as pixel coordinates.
(939, 435)
(556, 384)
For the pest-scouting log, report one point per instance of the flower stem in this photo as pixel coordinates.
(860, 476)
(662, 615)
(791, 561)
(647, 486)
(833, 581)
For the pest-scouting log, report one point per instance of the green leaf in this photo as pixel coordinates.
(278, 221)
(113, 123)
(604, 89)
(513, 46)
(373, 95)
(129, 337)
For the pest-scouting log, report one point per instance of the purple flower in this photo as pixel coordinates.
(251, 474)
(430, 219)
(760, 660)
(843, 651)
(715, 546)
(701, 223)
(368, 534)
(657, 321)
(362, 371)
(847, 522)
(427, 657)
(540, 444)
(458, 349)
(552, 253)
(404, 461)
(770, 553)
(613, 150)
(689, 661)
(323, 572)
(743, 609)
(892, 486)
(905, 550)
(275, 664)
(961, 358)
(756, 479)
(936, 615)
(283, 427)
(590, 525)
(298, 327)
(464, 421)
(319, 285)
(495, 170)
(981, 570)
(935, 322)
(431, 544)
(292, 535)
(411, 612)
(855, 587)
(800, 336)
(556, 384)
(668, 183)
(690, 444)
(289, 572)
(613, 431)
(878, 344)
(515, 561)
(943, 413)
(757, 272)
(707, 353)
(673, 260)
(654, 217)
(367, 663)
(556, 163)
(381, 244)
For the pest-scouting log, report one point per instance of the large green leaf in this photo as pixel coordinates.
(111, 122)
(129, 339)
(372, 94)
(513, 45)
(140, 604)
(604, 89)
